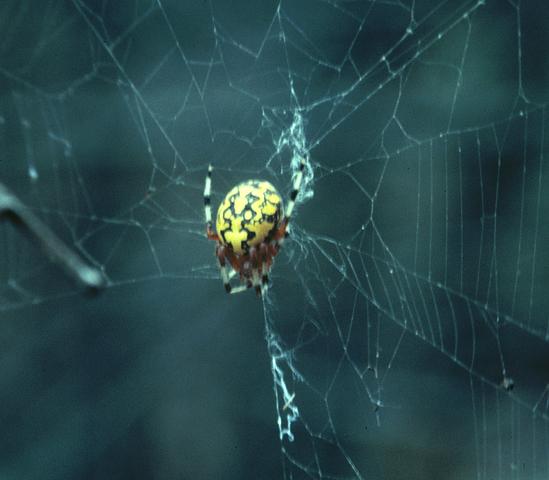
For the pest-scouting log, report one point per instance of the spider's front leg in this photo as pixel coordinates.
(282, 231)
(208, 207)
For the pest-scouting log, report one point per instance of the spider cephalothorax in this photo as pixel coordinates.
(251, 225)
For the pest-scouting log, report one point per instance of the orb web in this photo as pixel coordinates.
(406, 325)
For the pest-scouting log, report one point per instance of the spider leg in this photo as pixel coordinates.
(265, 265)
(254, 260)
(240, 288)
(282, 231)
(221, 256)
(264, 279)
(207, 205)
(295, 190)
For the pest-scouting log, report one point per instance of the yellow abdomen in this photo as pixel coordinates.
(248, 215)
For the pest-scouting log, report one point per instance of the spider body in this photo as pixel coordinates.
(251, 225)
(249, 215)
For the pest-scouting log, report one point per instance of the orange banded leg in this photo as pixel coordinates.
(265, 264)
(255, 262)
(221, 256)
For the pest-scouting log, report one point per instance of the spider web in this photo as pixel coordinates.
(406, 327)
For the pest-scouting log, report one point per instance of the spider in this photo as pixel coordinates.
(251, 226)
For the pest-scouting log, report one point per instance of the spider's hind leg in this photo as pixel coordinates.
(265, 265)
(255, 259)
(225, 276)
(240, 288)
